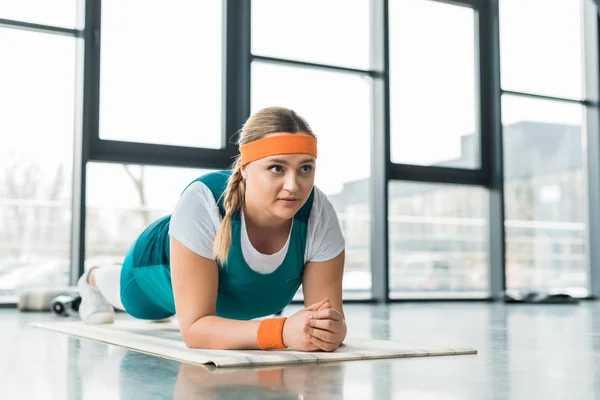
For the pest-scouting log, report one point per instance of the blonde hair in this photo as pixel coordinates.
(263, 122)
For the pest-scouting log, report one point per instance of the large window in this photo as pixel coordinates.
(433, 97)
(544, 192)
(160, 72)
(337, 107)
(37, 77)
(122, 200)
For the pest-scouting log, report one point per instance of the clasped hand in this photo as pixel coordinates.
(317, 327)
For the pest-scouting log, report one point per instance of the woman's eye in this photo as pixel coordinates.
(306, 168)
(276, 168)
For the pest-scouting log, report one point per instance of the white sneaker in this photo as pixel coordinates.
(94, 308)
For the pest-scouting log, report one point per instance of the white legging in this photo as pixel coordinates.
(108, 281)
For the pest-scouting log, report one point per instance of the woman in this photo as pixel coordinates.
(237, 247)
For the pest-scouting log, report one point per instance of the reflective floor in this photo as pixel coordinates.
(525, 352)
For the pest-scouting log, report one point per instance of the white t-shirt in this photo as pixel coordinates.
(196, 220)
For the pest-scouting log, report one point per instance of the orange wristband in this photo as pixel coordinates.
(270, 333)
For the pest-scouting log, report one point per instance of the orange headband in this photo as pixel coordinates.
(288, 143)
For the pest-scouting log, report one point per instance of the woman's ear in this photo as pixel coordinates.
(243, 172)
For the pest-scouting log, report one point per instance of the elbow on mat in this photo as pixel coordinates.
(194, 337)
(193, 340)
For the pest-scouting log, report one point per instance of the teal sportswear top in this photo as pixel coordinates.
(243, 293)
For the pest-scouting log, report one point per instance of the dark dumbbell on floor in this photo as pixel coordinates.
(65, 305)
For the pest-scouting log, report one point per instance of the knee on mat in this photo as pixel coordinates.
(146, 313)
(140, 308)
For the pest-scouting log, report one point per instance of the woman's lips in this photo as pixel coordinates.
(288, 201)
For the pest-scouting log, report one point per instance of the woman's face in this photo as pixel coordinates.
(279, 184)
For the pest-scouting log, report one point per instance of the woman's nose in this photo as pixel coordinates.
(291, 184)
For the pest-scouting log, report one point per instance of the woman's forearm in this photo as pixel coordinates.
(212, 332)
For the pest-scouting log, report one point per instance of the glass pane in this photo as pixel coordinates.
(334, 32)
(340, 117)
(438, 240)
(61, 13)
(161, 85)
(37, 77)
(544, 196)
(122, 200)
(433, 95)
(541, 47)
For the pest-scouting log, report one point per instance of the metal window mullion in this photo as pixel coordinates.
(88, 64)
(491, 139)
(304, 64)
(591, 141)
(160, 155)
(438, 174)
(237, 67)
(549, 98)
(380, 151)
(31, 27)
(464, 3)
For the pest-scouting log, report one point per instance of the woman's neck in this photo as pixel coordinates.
(258, 219)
